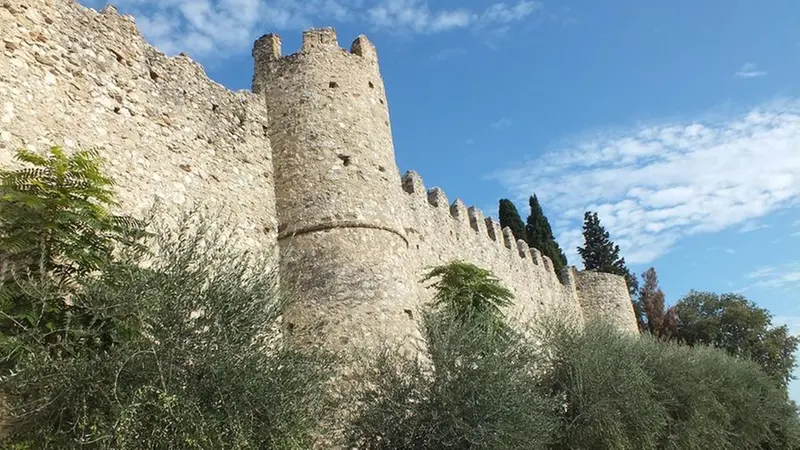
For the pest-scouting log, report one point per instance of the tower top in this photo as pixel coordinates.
(315, 40)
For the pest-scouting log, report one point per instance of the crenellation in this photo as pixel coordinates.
(494, 230)
(459, 211)
(476, 221)
(308, 152)
(413, 184)
(547, 263)
(508, 237)
(320, 39)
(437, 197)
(522, 248)
(363, 47)
(536, 256)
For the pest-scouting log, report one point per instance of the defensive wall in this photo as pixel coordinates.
(304, 161)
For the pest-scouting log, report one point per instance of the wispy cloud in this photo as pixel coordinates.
(656, 184)
(418, 16)
(219, 27)
(500, 124)
(753, 226)
(750, 70)
(786, 276)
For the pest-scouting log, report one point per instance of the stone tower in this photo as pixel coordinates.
(338, 196)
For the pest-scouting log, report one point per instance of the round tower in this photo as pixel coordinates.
(338, 191)
(605, 297)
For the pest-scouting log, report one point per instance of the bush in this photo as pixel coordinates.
(201, 368)
(476, 388)
(477, 391)
(627, 392)
(55, 227)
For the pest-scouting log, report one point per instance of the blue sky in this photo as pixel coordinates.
(678, 121)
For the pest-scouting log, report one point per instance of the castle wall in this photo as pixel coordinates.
(73, 77)
(439, 232)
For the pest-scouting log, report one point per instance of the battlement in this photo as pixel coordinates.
(469, 226)
(315, 41)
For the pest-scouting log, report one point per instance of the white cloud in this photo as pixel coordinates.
(501, 123)
(753, 226)
(730, 251)
(750, 70)
(417, 16)
(653, 185)
(219, 27)
(784, 277)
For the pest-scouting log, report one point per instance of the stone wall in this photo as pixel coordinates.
(605, 297)
(72, 77)
(440, 231)
(354, 236)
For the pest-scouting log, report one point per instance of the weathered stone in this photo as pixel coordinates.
(353, 236)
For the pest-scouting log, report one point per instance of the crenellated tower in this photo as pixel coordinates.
(338, 196)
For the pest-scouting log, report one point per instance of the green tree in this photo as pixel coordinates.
(600, 253)
(469, 292)
(658, 321)
(737, 325)
(476, 391)
(55, 226)
(55, 219)
(631, 392)
(509, 217)
(203, 368)
(540, 235)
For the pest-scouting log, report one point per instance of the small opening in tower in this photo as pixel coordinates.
(345, 159)
(382, 102)
(409, 313)
(153, 75)
(333, 84)
(371, 85)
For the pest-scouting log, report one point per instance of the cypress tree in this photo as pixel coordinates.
(509, 217)
(601, 254)
(540, 235)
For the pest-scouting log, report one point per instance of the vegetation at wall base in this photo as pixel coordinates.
(203, 367)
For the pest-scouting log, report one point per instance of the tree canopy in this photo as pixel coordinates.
(540, 235)
(737, 325)
(509, 217)
(600, 253)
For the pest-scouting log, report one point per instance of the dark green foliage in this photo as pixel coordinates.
(601, 254)
(200, 368)
(625, 392)
(477, 391)
(540, 235)
(737, 325)
(509, 217)
(55, 226)
(469, 292)
(55, 219)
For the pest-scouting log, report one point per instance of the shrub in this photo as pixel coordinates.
(475, 389)
(625, 392)
(55, 227)
(475, 392)
(202, 368)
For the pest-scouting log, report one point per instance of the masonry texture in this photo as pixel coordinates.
(354, 236)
